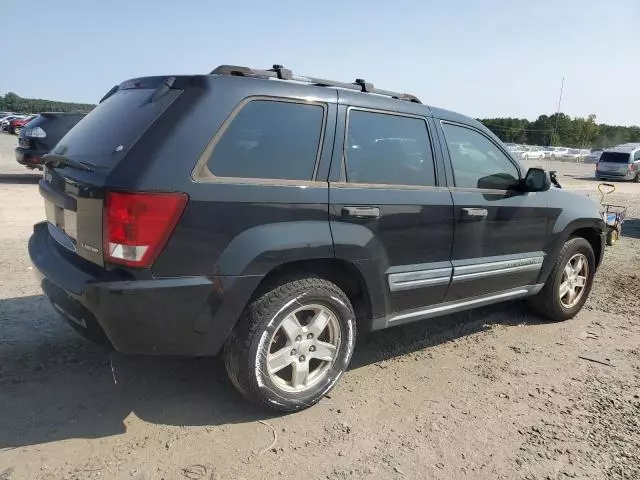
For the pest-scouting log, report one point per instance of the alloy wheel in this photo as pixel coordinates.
(574, 280)
(303, 348)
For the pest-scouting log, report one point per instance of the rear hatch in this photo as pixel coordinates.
(75, 179)
(614, 163)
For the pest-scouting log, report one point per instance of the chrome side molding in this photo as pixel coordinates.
(463, 304)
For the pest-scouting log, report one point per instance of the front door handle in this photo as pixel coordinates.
(361, 212)
(474, 213)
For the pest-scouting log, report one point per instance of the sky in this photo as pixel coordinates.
(482, 58)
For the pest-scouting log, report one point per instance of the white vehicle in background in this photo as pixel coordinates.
(515, 150)
(574, 154)
(547, 151)
(559, 152)
(533, 153)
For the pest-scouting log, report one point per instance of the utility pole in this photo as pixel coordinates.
(555, 128)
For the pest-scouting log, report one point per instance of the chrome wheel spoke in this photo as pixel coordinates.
(577, 267)
(568, 271)
(572, 296)
(300, 374)
(564, 289)
(291, 327)
(319, 322)
(581, 281)
(280, 359)
(324, 351)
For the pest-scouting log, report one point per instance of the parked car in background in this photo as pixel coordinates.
(559, 152)
(594, 155)
(573, 154)
(191, 215)
(16, 124)
(620, 163)
(547, 151)
(41, 135)
(516, 150)
(533, 153)
(4, 122)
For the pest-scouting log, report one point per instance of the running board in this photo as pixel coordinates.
(455, 306)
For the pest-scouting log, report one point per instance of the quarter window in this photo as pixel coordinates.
(388, 149)
(270, 139)
(636, 157)
(477, 162)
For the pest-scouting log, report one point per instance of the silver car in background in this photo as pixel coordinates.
(620, 163)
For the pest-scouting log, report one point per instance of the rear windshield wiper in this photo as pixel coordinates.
(53, 160)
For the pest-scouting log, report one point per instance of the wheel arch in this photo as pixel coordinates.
(591, 230)
(594, 237)
(346, 275)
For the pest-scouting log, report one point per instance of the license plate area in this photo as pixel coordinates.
(65, 220)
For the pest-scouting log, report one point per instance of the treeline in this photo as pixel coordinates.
(570, 132)
(13, 103)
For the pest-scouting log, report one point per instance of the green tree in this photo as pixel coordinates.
(14, 103)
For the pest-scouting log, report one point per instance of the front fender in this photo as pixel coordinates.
(578, 212)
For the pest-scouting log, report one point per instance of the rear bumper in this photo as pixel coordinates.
(28, 157)
(189, 316)
(615, 176)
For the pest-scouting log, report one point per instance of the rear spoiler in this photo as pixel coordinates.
(161, 85)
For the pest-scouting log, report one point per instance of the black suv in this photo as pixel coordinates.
(272, 216)
(41, 135)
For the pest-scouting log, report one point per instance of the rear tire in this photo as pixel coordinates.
(550, 303)
(292, 344)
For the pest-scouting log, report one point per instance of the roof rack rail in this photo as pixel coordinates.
(281, 73)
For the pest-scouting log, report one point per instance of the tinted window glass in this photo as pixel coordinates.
(118, 121)
(388, 149)
(637, 155)
(270, 139)
(478, 162)
(615, 157)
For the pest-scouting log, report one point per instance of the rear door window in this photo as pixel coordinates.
(388, 149)
(636, 157)
(104, 136)
(614, 157)
(270, 139)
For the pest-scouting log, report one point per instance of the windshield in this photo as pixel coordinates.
(614, 157)
(104, 136)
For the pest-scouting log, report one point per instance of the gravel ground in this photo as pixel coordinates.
(492, 393)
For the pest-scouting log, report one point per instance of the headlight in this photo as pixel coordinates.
(35, 132)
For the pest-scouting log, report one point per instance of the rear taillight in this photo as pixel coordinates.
(137, 225)
(630, 167)
(35, 132)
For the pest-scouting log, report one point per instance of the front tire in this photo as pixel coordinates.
(292, 344)
(569, 283)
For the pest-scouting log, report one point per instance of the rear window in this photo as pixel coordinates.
(270, 139)
(104, 136)
(614, 157)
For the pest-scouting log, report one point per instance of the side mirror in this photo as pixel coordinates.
(537, 180)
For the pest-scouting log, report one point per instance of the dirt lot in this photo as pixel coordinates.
(491, 393)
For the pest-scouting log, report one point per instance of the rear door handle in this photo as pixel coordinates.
(474, 213)
(361, 212)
